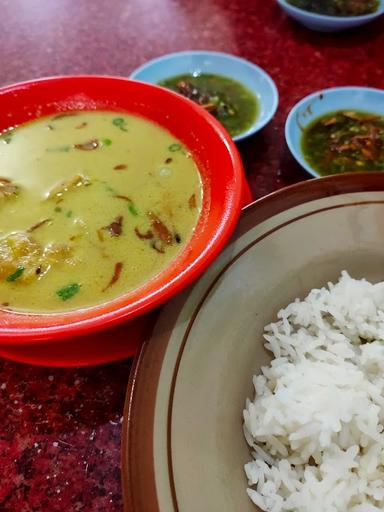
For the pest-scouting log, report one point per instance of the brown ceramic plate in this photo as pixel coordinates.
(183, 446)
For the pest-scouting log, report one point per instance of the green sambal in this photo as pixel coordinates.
(228, 100)
(337, 7)
(345, 141)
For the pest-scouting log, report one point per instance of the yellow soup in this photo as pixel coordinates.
(93, 204)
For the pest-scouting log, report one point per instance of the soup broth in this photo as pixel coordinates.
(93, 204)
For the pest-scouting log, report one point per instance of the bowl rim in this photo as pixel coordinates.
(256, 126)
(137, 454)
(291, 119)
(326, 17)
(15, 336)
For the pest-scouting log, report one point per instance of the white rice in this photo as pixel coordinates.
(316, 423)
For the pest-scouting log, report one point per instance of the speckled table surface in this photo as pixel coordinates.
(60, 428)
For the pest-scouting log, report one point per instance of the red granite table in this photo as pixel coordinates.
(60, 428)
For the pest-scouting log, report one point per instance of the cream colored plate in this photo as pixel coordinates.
(183, 446)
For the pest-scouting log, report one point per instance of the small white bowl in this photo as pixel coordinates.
(324, 23)
(324, 102)
(194, 62)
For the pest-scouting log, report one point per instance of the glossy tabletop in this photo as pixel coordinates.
(60, 428)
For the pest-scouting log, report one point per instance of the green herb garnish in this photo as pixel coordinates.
(174, 147)
(108, 188)
(120, 123)
(69, 213)
(67, 292)
(133, 210)
(106, 142)
(58, 209)
(18, 272)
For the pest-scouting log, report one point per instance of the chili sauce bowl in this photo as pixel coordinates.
(324, 102)
(325, 23)
(254, 78)
(115, 329)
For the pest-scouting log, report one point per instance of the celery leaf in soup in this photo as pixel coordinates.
(120, 122)
(16, 274)
(67, 292)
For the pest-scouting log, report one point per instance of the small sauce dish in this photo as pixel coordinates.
(321, 103)
(196, 63)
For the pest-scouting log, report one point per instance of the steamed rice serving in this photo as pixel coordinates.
(316, 423)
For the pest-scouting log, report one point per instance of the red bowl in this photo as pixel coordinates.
(43, 338)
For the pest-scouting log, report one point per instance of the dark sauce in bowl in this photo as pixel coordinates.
(235, 106)
(337, 7)
(345, 141)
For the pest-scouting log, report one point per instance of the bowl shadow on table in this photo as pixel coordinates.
(280, 168)
(291, 171)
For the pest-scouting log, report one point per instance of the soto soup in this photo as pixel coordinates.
(93, 204)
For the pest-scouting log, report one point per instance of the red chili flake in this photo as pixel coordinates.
(160, 229)
(125, 198)
(82, 125)
(38, 225)
(144, 236)
(88, 146)
(120, 167)
(192, 201)
(115, 228)
(116, 275)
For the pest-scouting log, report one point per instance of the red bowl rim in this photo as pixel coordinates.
(221, 234)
